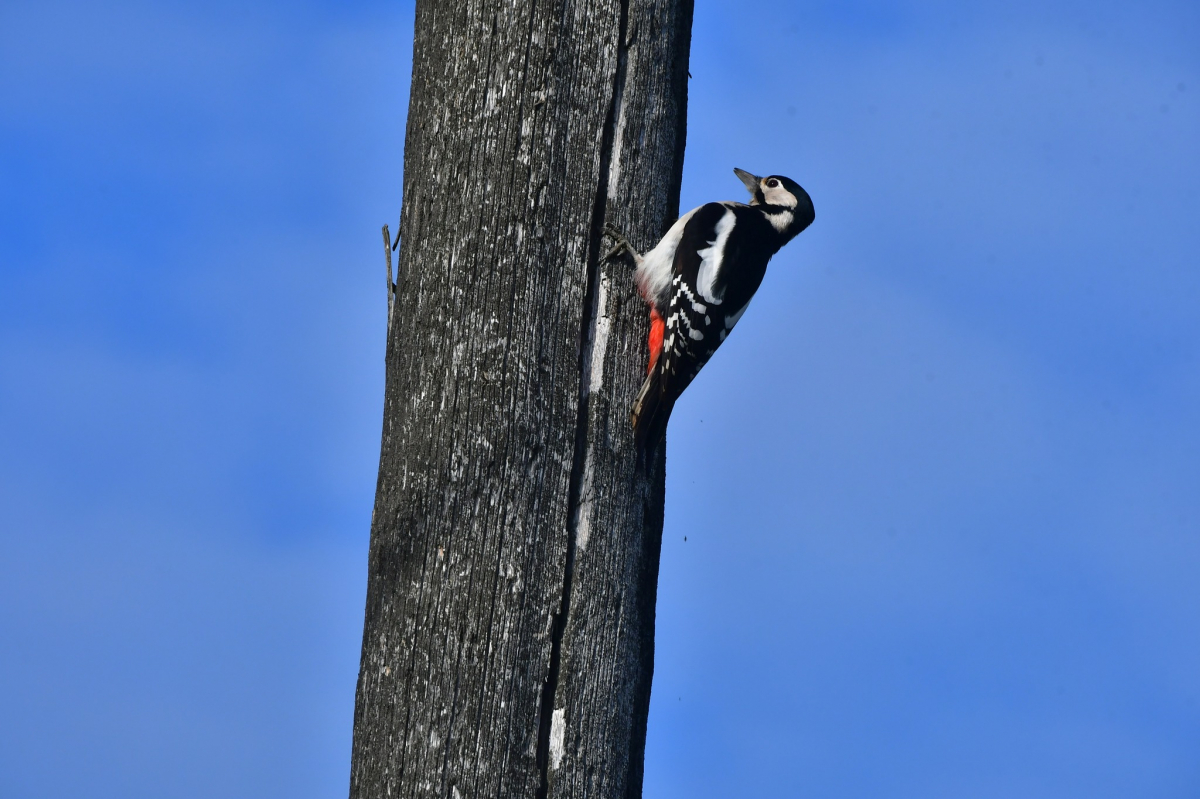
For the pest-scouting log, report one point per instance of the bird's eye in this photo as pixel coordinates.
(772, 183)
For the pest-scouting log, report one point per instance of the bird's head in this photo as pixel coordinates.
(780, 193)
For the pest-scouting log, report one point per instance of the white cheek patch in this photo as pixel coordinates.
(780, 196)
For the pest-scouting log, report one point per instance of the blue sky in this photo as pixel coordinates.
(947, 545)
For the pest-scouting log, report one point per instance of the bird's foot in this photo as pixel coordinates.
(623, 245)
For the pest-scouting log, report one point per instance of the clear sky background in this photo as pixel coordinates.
(949, 541)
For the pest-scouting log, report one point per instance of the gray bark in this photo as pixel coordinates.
(508, 640)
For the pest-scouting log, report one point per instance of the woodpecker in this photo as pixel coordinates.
(698, 281)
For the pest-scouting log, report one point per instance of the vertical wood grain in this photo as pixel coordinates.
(508, 638)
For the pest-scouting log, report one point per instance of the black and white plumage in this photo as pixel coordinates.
(698, 281)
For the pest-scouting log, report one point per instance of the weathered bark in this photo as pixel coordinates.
(508, 641)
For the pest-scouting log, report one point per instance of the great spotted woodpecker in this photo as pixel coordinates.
(698, 281)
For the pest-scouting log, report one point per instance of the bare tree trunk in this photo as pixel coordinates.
(508, 641)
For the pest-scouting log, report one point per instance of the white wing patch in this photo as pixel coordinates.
(711, 256)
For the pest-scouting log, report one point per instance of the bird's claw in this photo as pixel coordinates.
(623, 245)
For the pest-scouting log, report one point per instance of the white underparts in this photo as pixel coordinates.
(654, 270)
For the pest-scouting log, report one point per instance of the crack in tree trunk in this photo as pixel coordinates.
(587, 354)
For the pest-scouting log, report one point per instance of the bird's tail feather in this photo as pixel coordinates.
(650, 413)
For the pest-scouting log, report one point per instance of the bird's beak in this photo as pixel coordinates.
(750, 181)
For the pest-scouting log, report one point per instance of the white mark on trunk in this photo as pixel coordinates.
(583, 511)
(614, 163)
(599, 338)
(558, 730)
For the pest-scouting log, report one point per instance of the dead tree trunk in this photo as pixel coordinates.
(508, 641)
